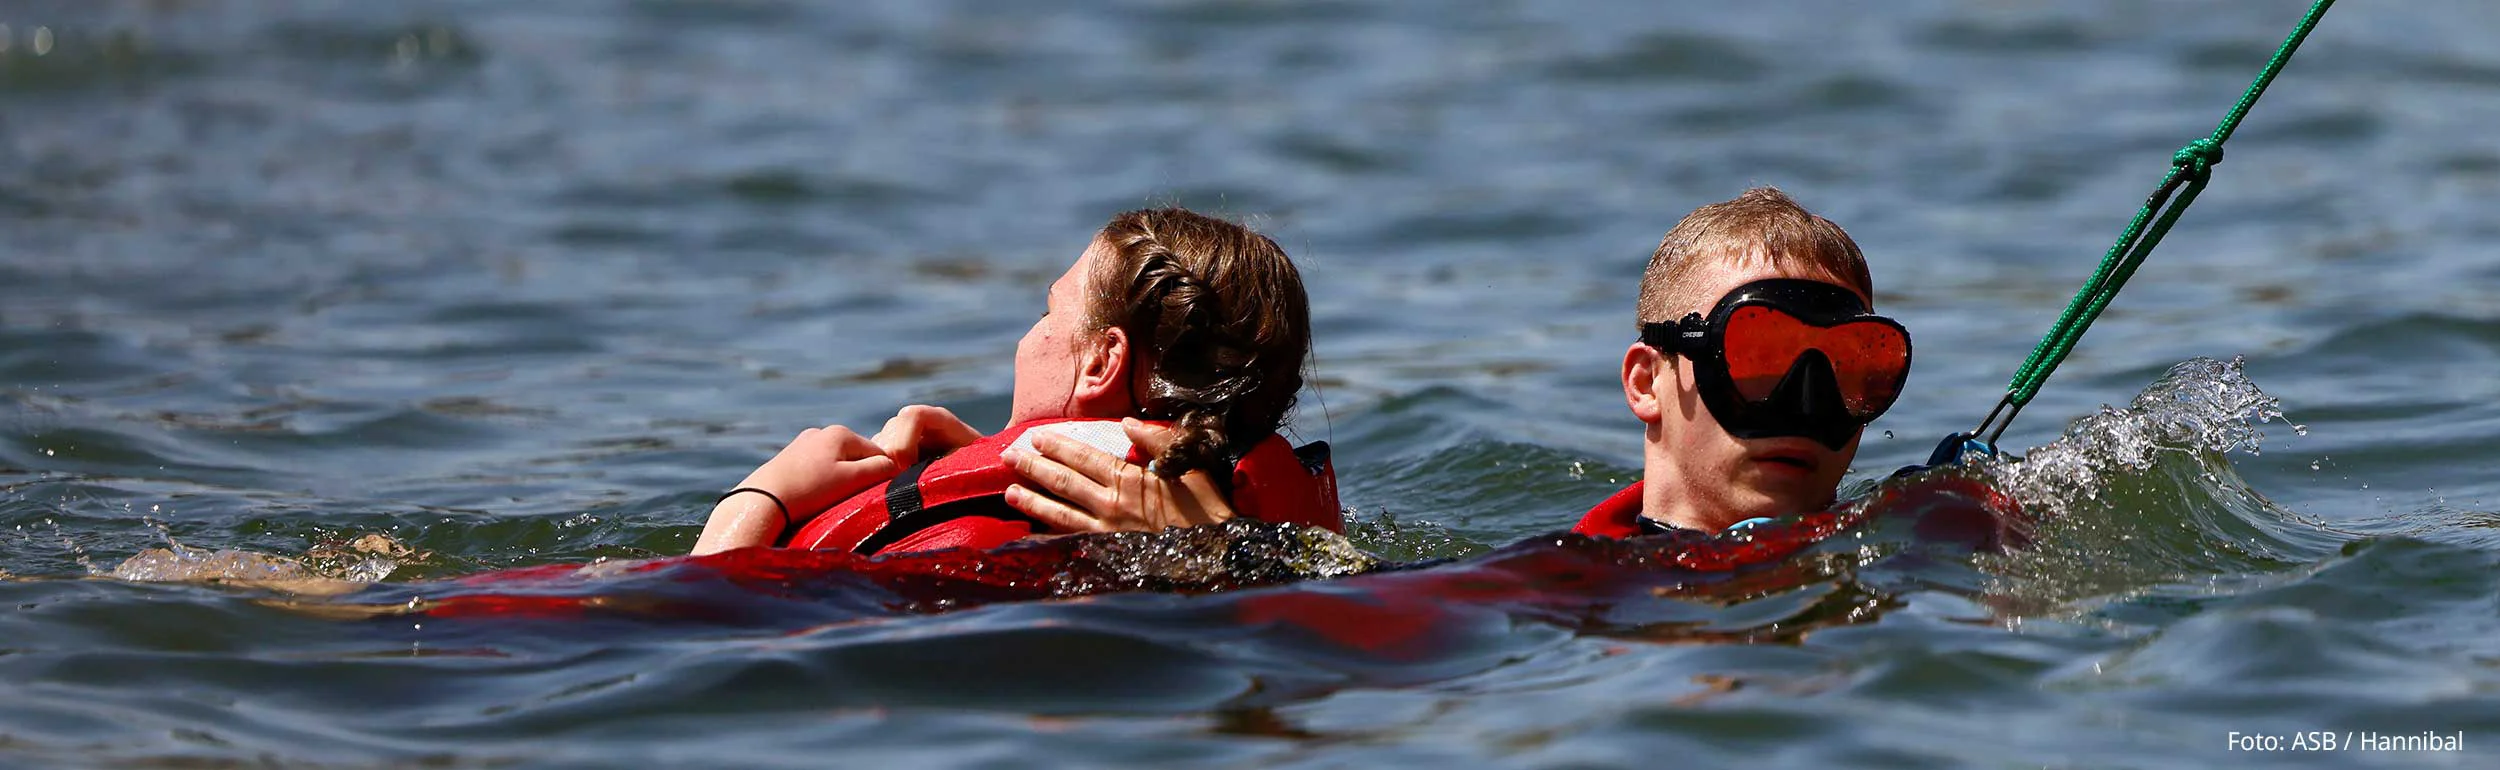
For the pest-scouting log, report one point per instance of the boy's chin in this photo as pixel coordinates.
(1775, 499)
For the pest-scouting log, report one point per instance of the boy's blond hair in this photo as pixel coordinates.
(1762, 226)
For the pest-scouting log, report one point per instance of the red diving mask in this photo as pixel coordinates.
(1791, 357)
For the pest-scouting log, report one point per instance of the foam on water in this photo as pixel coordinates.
(2133, 495)
(2199, 406)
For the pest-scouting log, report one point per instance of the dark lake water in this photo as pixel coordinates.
(514, 284)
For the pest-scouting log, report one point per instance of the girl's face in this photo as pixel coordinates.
(1050, 358)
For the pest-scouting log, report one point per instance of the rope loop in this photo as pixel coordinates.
(2199, 157)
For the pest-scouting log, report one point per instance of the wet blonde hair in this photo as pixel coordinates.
(1763, 226)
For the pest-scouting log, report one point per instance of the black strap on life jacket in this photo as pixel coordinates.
(902, 494)
(1314, 456)
(905, 514)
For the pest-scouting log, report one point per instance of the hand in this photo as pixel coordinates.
(1092, 491)
(821, 467)
(918, 427)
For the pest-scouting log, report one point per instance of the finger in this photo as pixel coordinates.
(1211, 506)
(1101, 467)
(940, 426)
(1151, 440)
(1058, 516)
(847, 444)
(895, 439)
(921, 429)
(1061, 480)
(878, 466)
(1145, 498)
(1203, 502)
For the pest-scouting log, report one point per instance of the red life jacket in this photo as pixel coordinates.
(1618, 516)
(959, 500)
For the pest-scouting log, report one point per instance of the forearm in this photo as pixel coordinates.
(740, 520)
(821, 467)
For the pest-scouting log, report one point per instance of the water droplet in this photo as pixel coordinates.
(1887, 434)
(2299, 429)
(43, 40)
(47, 452)
(2365, 485)
(2313, 465)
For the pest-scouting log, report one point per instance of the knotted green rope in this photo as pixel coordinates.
(2190, 169)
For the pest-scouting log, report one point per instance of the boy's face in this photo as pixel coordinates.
(1708, 478)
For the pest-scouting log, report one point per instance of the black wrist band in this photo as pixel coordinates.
(777, 503)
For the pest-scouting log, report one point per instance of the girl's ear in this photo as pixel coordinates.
(1103, 371)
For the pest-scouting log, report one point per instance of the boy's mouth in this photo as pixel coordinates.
(1793, 453)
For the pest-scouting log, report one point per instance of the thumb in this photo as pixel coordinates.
(1150, 440)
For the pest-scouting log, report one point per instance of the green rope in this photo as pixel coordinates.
(2190, 169)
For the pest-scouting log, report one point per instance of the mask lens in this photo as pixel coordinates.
(1762, 343)
(1867, 357)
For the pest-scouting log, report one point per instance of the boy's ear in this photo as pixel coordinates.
(1102, 367)
(1642, 366)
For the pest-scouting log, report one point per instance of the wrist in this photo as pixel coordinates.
(754, 497)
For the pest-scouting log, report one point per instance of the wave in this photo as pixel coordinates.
(2135, 495)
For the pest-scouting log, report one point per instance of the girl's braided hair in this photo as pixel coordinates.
(1219, 325)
